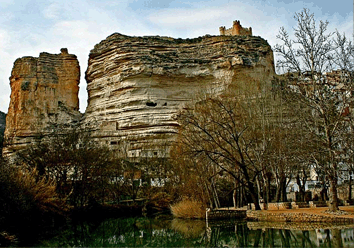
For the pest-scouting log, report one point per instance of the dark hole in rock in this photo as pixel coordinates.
(151, 104)
(25, 85)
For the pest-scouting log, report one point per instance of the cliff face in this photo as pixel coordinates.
(137, 84)
(44, 90)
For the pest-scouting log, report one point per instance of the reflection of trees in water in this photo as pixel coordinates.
(141, 232)
(269, 237)
(337, 238)
(189, 228)
(334, 237)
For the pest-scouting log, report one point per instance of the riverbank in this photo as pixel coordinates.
(303, 215)
(37, 227)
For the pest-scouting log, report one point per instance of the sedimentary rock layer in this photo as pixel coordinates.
(44, 90)
(137, 84)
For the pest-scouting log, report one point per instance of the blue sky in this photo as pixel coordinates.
(28, 27)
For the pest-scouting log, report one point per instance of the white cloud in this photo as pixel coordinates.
(4, 39)
(52, 11)
(5, 3)
(5, 69)
(185, 17)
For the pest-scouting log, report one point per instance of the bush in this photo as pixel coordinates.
(189, 209)
(25, 199)
(80, 166)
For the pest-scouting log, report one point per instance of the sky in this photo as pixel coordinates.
(29, 27)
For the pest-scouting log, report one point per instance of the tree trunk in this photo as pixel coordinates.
(350, 187)
(337, 238)
(277, 195)
(254, 196)
(281, 190)
(258, 188)
(301, 188)
(333, 198)
(283, 195)
(215, 194)
(268, 190)
(208, 192)
(234, 196)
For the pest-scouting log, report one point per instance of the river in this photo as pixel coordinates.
(167, 232)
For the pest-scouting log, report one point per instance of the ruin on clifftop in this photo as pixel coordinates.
(236, 29)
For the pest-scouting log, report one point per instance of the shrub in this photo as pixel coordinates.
(25, 198)
(189, 209)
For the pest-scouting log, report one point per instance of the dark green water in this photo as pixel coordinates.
(147, 232)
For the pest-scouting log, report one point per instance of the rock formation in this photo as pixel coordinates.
(137, 84)
(44, 90)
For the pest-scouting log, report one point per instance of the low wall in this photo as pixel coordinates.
(297, 205)
(295, 217)
(251, 206)
(218, 214)
(318, 204)
(278, 206)
(287, 205)
(254, 225)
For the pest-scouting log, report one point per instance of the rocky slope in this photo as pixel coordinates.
(137, 84)
(44, 90)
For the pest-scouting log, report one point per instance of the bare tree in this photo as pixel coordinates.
(322, 99)
(237, 134)
(311, 48)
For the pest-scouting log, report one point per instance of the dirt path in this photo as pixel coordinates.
(317, 211)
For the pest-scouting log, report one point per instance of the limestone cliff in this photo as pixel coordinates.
(44, 90)
(137, 84)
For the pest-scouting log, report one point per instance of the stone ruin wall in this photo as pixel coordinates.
(236, 29)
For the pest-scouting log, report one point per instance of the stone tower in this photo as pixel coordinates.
(236, 29)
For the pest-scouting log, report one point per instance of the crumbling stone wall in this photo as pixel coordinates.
(236, 29)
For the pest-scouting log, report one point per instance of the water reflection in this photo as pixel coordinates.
(145, 232)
